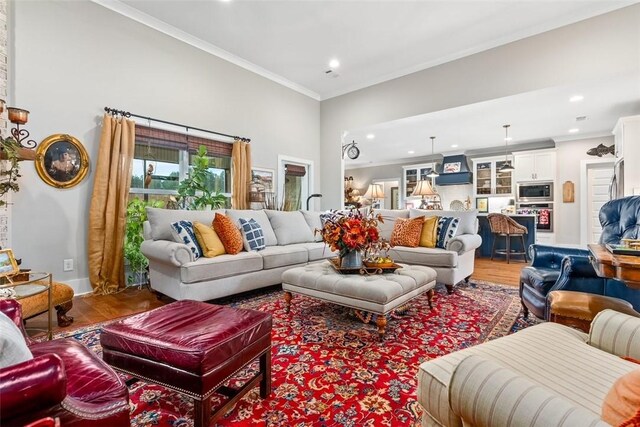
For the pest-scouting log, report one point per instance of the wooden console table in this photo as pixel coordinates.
(625, 268)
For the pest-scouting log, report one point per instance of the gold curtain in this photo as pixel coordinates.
(241, 170)
(107, 214)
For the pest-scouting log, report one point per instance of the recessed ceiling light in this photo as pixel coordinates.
(576, 98)
(370, 136)
(411, 152)
(334, 63)
(574, 130)
(454, 146)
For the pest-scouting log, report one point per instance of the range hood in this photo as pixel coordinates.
(455, 171)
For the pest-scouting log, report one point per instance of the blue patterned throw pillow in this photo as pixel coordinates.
(447, 227)
(182, 232)
(252, 235)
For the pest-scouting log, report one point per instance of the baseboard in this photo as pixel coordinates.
(80, 286)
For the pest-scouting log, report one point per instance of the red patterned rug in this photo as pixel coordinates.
(329, 369)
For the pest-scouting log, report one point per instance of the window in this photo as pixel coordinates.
(162, 158)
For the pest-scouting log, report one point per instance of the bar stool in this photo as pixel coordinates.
(503, 226)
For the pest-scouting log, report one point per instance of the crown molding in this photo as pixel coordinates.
(579, 137)
(158, 25)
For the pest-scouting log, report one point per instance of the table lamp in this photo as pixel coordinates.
(374, 192)
(424, 189)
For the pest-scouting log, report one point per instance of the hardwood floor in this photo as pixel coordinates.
(89, 309)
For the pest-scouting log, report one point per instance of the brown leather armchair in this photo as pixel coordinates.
(64, 380)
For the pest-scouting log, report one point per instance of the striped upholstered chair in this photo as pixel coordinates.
(534, 376)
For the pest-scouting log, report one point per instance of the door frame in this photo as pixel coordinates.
(584, 205)
(384, 180)
(282, 159)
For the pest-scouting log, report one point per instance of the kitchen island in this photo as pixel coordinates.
(528, 221)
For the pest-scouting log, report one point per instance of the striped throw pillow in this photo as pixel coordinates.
(182, 232)
(447, 227)
(252, 235)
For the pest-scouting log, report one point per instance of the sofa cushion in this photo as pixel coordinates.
(13, 348)
(389, 217)
(280, 256)
(260, 217)
(252, 235)
(318, 251)
(313, 221)
(546, 354)
(228, 233)
(447, 228)
(468, 219)
(160, 220)
(184, 233)
(221, 266)
(406, 232)
(429, 234)
(208, 240)
(290, 227)
(431, 257)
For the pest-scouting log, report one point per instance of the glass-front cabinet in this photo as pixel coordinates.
(413, 174)
(488, 180)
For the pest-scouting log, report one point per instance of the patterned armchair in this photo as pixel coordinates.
(556, 268)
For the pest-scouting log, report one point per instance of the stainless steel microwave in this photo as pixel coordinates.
(534, 191)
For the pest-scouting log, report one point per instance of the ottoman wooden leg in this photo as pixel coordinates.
(381, 321)
(430, 297)
(449, 289)
(61, 312)
(287, 299)
(265, 369)
(201, 412)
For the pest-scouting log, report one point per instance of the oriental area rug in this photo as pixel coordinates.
(328, 367)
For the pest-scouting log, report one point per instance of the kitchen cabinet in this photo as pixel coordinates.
(413, 174)
(543, 238)
(535, 166)
(488, 180)
(627, 140)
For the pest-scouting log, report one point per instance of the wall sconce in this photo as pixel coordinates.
(19, 116)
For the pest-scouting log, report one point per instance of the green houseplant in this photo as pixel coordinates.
(9, 176)
(194, 194)
(133, 238)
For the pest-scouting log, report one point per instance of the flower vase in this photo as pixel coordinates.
(352, 259)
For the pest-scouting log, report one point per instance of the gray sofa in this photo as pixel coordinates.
(290, 242)
(174, 272)
(453, 264)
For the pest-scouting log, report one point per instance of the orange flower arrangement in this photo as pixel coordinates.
(351, 231)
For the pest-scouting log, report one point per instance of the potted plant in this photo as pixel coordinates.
(193, 191)
(10, 150)
(133, 238)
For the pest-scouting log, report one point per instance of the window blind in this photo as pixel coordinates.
(168, 139)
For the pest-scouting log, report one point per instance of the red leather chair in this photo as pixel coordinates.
(64, 380)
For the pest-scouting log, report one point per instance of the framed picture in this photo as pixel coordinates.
(264, 178)
(61, 161)
(451, 167)
(8, 264)
(482, 204)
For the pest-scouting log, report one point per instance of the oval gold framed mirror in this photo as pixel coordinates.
(62, 161)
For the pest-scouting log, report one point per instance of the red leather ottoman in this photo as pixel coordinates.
(193, 348)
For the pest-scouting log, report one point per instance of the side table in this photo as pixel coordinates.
(36, 284)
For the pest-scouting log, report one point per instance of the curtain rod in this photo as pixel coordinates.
(128, 114)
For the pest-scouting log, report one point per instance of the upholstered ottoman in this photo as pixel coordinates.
(378, 293)
(193, 348)
(61, 298)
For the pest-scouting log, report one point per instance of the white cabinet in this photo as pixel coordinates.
(627, 140)
(545, 238)
(535, 166)
(413, 174)
(488, 180)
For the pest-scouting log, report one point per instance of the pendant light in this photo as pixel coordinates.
(507, 163)
(433, 173)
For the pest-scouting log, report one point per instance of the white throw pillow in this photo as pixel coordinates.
(290, 227)
(13, 348)
(260, 217)
(314, 223)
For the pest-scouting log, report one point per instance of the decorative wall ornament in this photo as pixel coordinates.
(62, 161)
(352, 151)
(602, 150)
(568, 192)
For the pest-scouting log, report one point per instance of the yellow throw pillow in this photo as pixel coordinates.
(429, 234)
(208, 239)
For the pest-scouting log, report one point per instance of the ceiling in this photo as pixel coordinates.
(292, 42)
(533, 116)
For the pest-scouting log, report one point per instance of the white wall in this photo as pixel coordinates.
(71, 59)
(595, 49)
(570, 154)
